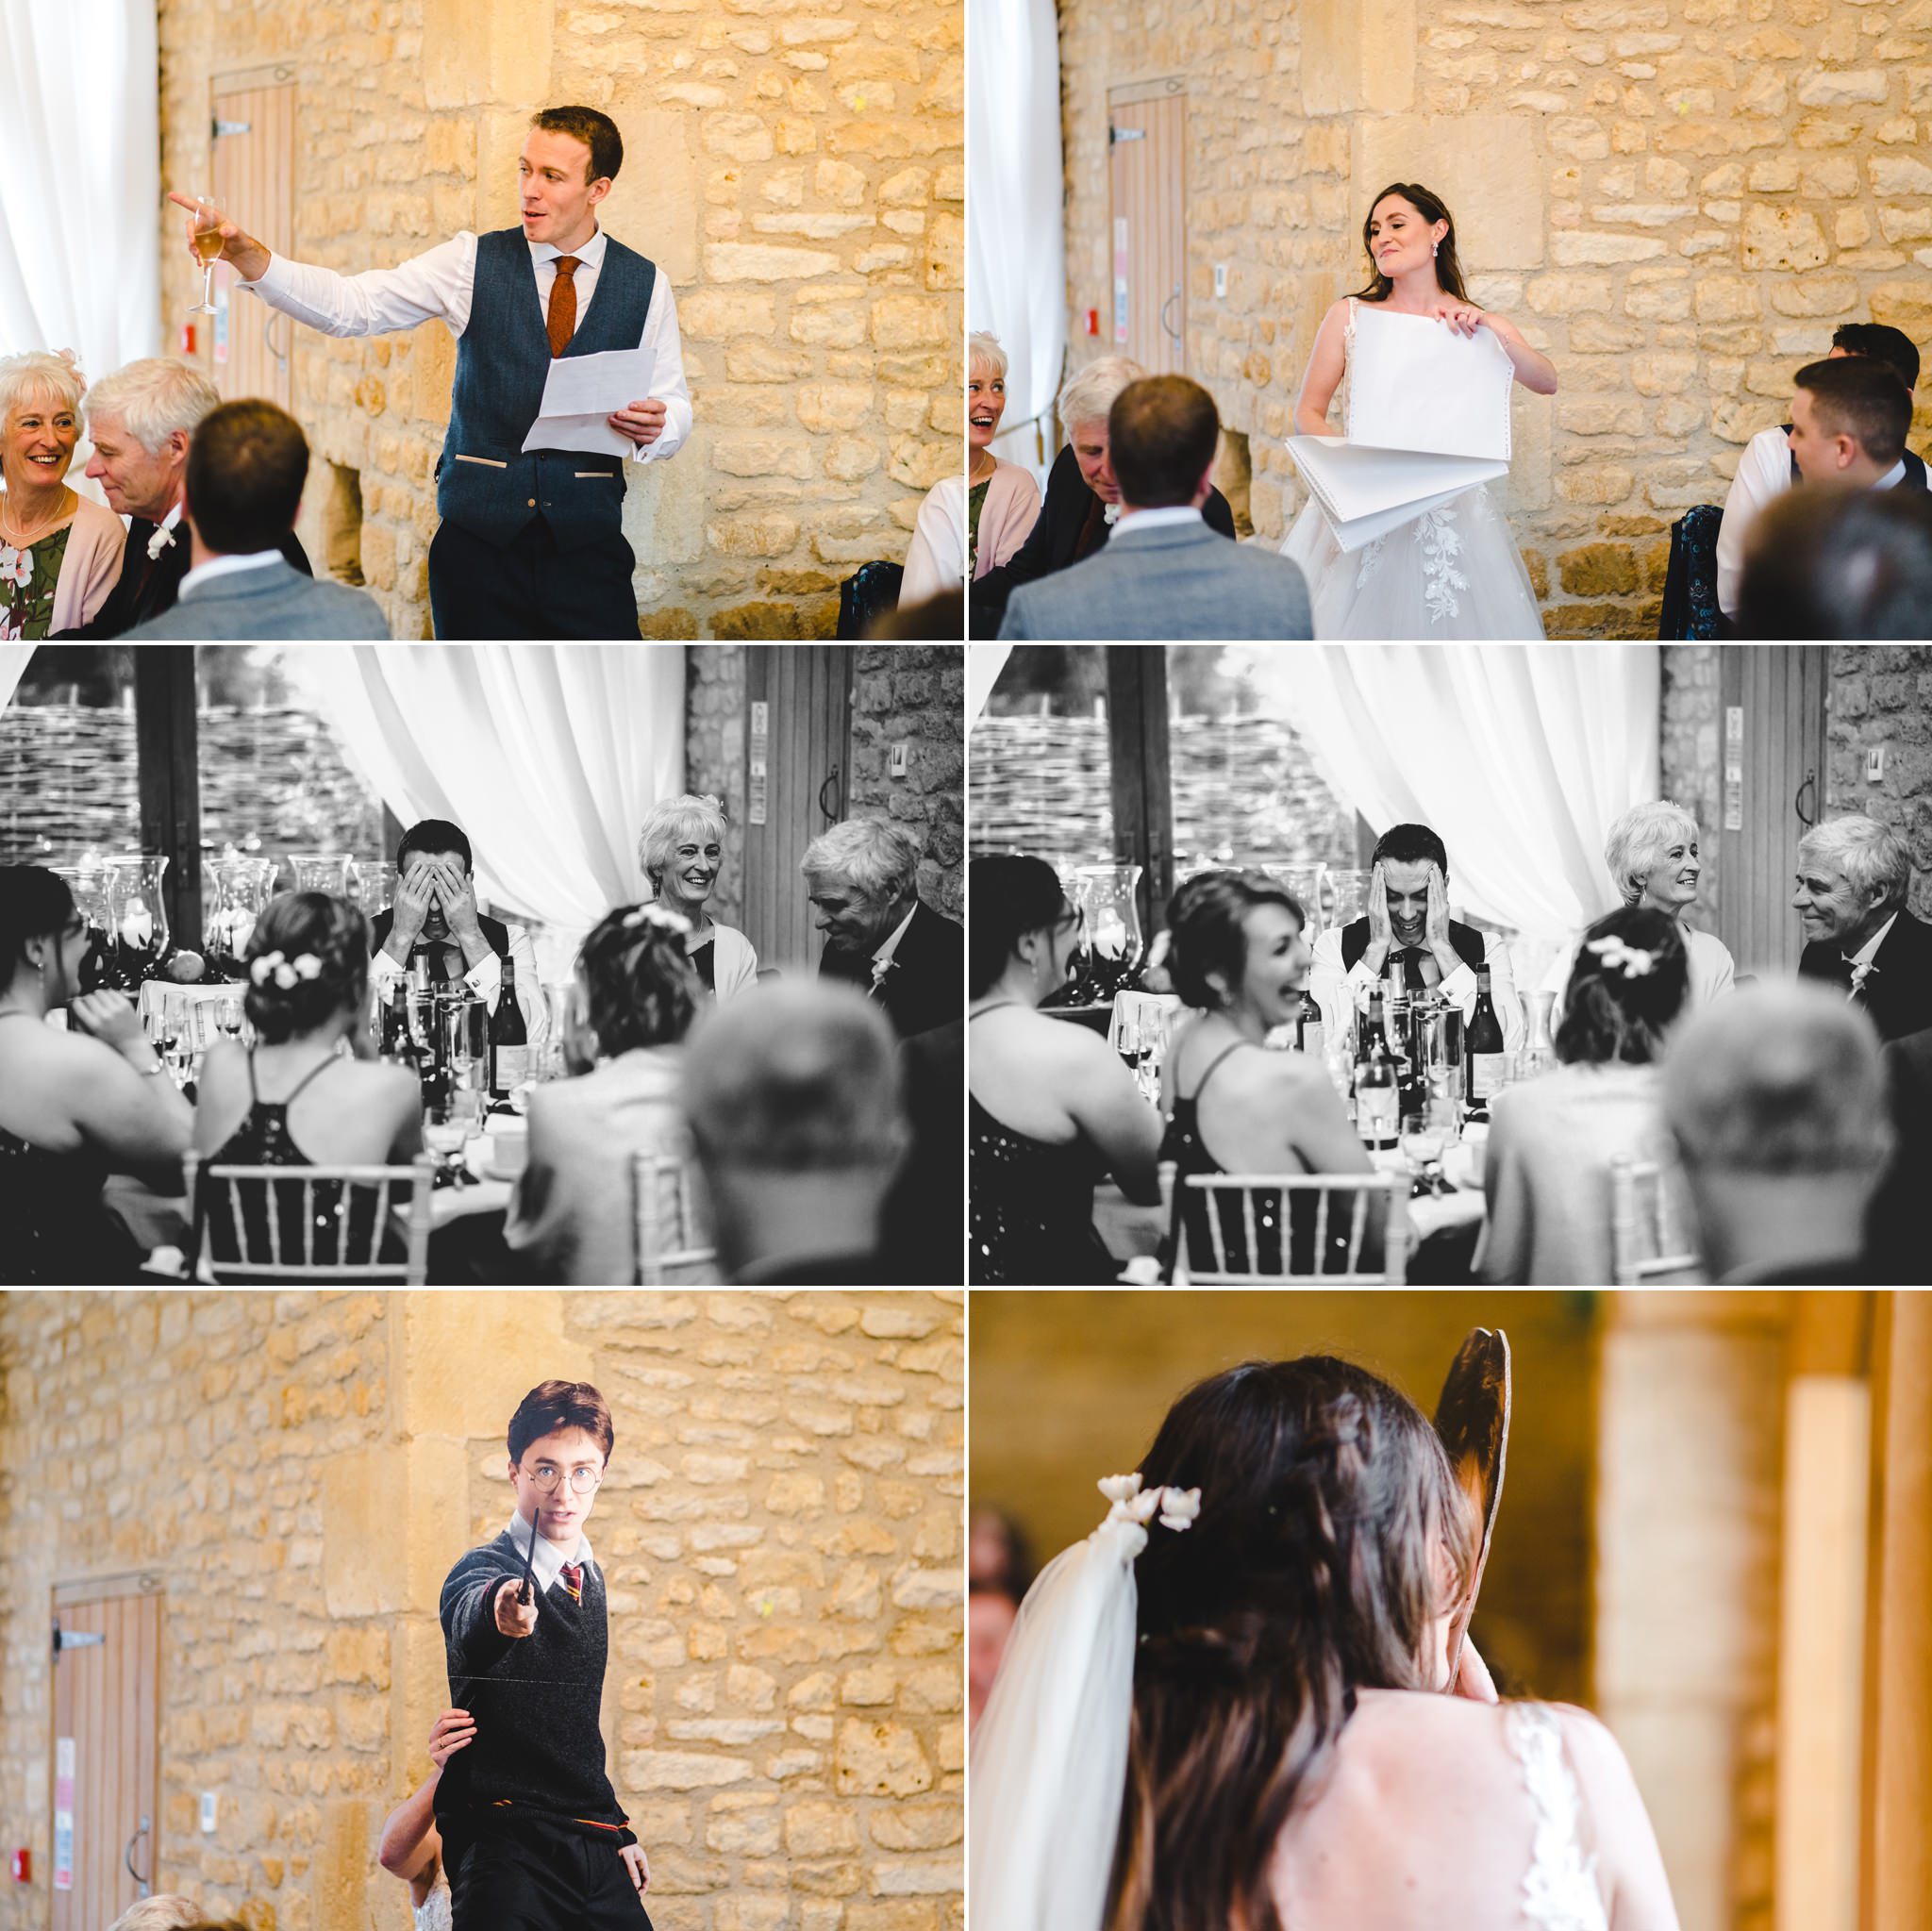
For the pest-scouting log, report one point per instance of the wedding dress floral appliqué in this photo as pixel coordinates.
(1559, 1890)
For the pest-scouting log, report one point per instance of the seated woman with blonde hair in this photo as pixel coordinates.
(59, 551)
(983, 517)
(681, 849)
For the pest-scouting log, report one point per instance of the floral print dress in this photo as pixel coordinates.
(27, 579)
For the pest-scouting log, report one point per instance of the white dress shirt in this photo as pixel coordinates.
(547, 1563)
(1764, 472)
(1860, 961)
(882, 959)
(439, 283)
(484, 978)
(226, 566)
(1340, 993)
(1167, 516)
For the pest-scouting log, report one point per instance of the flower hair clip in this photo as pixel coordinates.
(1632, 961)
(286, 972)
(1176, 1507)
(655, 914)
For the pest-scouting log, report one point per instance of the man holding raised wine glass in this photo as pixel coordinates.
(531, 542)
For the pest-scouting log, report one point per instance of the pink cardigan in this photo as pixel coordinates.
(89, 569)
(1007, 515)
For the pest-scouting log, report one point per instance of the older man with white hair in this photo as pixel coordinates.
(142, 419)
(1854, 874)
(863, 880)
(1083, 494)
(1775, 1099)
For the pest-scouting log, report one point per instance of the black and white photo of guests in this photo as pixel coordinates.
(618, 964)
(497, 324)
(1474, 327)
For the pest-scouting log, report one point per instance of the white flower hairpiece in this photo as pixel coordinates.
(655, 914)
(284, 971)
(1177, 1507)
(1631, 960)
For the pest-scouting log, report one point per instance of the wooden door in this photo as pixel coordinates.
(1772, 780)
(106, 1710)
(797, 744)
(1147, 169)
(254, 140)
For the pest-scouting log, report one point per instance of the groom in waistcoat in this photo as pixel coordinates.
(531, 543)
(1408, 925)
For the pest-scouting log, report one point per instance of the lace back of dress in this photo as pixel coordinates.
(1559, 1890)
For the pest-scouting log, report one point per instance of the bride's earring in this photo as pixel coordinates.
(1435, 249)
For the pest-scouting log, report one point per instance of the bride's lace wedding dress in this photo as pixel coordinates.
(1452, 571)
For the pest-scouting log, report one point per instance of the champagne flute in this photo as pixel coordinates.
(207, 239)
(229, 1018)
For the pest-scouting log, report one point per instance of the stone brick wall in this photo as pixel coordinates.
(1881, 696)
(714, 756)
(798, 176)
(1691, 764)
(1677, 200)
(914, 695)
(779, 1534)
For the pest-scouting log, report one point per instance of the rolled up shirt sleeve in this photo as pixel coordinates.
(431, 286)
(667, 385)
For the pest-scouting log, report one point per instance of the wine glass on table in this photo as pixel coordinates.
(448, 1124)
(228, 1017)
(1426, 1134)
(206, 238)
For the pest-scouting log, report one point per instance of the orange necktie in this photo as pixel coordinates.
(561, 322)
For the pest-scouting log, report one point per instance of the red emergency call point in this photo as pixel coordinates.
(188, 338)
(1093, 322)
(23, 1867)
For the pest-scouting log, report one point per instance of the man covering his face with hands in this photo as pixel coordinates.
(435, 920)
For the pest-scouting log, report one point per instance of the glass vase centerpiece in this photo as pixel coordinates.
(87, 879)
(243, 888)
(1112, 947)
(373, 886)
(136, 917)
(318, 872)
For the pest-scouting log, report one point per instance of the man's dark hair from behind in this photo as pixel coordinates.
(246, 465)
(598, 132)
(1852, 564)
(1162, 432)
(1883, 343)
(1860, 396)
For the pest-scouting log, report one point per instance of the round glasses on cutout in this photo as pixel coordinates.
(582, 1481)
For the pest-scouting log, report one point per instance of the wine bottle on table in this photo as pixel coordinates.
(509, 1039)
(1375, 1089)
(1482, 1049)
(1310, 1037)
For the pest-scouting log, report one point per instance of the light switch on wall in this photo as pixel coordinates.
(896, 765)
(207, 1813)
(1875, 765)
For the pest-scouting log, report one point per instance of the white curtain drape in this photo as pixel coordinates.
(984, 663)
(80, 222)
(1015, 246)
(547, 756)
(1519, 756)
(13, 658)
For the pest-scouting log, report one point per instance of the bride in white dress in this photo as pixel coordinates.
(1453, 570)
(412, 1847)
(1247, 1699)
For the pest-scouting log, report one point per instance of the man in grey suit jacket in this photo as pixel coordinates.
(241, 490)
(1165, 574)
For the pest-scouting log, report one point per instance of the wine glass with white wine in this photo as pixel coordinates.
(206, 238)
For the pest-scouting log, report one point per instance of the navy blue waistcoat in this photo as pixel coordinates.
(484, 481)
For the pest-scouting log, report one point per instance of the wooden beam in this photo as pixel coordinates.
(168, 784)
(1140, 772)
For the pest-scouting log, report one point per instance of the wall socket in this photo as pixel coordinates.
(207, 1813)
(896, 762)
(1221, 281)
(1875, 765)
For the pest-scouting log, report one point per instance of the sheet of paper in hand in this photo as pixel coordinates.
(1416, 384)
(580, 391)
(1473, 1423)
(1364, 493)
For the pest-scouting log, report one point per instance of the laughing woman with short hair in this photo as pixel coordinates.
(681, 849)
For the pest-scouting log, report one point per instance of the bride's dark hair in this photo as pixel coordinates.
(1328, 1513)
(1430, 207)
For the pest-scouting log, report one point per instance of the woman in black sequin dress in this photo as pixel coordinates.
(75, 1106)
(1232, 1106)
(1052, 1110)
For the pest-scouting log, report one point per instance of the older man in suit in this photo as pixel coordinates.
(1165, 574)
(241, 489)
(863, 880)
(140, 420)
(1853, 876)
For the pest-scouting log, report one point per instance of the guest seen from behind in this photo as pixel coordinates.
(1052, 1111)
(1453, 570)
(1851, 565)
(1854, 874)
(1771, 464)
(968, 526)
(1083, 497)
(140, 420)
(531, 543)
(242, 490)
(75, 1106)
(1776, 1100)
(573, 1220)
(1165, 573)
(302, 1096)
(59, 551)
(681, 852)
(434, 922)
(1546, 1171)
(796, 1114)
(1408, 923)
(862, 879)
(1239, 961)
